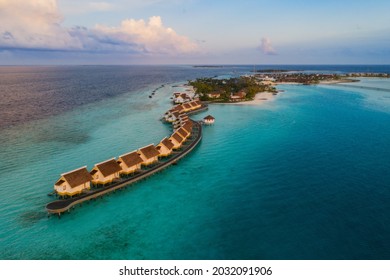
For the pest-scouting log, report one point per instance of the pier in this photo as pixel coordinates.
(60, 206)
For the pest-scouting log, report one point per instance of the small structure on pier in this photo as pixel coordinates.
(130, 162)
(165, 147)
(73, 182)
(149, 154)
(176, 140)
(105, 172)
(209, 119)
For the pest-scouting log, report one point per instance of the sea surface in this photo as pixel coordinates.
(305, 176)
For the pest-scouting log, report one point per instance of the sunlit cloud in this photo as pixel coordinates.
(33, 24)
(266, 46)
(152, 36)
(37, 24)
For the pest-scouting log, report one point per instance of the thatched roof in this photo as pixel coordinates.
(131, 159)
(149, 151)
(108, 167)
(188, 126)
(75, 178)
(193, 104)
(179, 108)
(209, 117)
(167, 143)
(187, 106)
(177, 137)
(182, 132)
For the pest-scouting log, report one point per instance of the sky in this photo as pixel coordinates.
(194, 32)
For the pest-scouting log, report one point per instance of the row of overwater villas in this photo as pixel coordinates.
(179, 111)
(76, 181)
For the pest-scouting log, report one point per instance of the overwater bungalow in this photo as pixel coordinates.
(179, 108)
(130, 162)
(172, 116)
(209, 119)
(181, 98)
(183, 133)
(165, 147)
(188, 126)
(195, 105)
(73, 182)
(176, 140)
(180, 122)
(149, 154)
(187, 107)
(169, 112)
(105, 172)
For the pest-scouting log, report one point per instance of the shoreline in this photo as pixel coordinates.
(327, 82)
(260, 99)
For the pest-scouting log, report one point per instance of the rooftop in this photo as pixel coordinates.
(76, 177)
(108, 167)
(131, 159)
(149, 151)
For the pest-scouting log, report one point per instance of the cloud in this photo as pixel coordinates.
(37, 24)
(33, 24)
(266, 46)
(151, 36)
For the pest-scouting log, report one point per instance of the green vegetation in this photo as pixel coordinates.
(209, 88)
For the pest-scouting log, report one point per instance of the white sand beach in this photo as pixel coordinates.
(260, 98)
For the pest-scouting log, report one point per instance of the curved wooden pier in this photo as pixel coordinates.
(61, 206)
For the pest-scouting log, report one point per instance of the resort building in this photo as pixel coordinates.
(165, 147)
(176, 140)
(149, 154)
(73, 182)
(214, 95)
(195, 105)
(179, 108)
(105, 172)
(171, 115)
(130, 162)
(187, 107)
(183, 133)
(188, 126)
(209, 119)
(179, 123)
(180, 98)
(238, 96)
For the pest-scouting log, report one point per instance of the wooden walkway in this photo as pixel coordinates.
(63, 205)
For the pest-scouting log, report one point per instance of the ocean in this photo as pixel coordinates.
(305, 176)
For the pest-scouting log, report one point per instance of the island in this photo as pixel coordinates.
(261, 86)
(231, 90)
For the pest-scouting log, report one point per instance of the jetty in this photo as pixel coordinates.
(79, 185)
(65, 205)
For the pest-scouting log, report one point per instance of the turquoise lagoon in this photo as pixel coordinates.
(305, 176)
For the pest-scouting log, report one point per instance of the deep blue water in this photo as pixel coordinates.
(302, 177)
